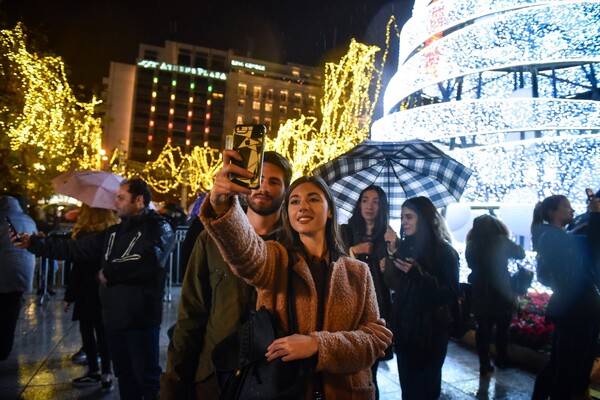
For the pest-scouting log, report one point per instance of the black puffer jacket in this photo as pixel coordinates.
(134, 254)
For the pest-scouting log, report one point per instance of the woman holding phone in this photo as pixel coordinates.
(568, 264)
(424, 276)
(339, 323)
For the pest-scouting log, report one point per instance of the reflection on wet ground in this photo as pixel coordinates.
(40, 365)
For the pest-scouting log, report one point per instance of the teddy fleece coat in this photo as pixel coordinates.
(345, 352)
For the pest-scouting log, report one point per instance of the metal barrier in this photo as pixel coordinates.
(51, 275)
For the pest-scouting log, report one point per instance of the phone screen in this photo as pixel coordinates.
(249, 141)
(12, 228)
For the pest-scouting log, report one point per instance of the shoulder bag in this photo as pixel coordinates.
(241, 368)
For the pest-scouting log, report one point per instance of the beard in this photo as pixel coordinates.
(264, 209)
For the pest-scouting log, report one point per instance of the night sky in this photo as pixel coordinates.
(90, 34)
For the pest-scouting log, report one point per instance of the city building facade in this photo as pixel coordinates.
(190, 96)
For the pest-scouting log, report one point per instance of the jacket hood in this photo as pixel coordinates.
(9, 204)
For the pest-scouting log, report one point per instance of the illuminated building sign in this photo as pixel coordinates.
(248, 65)
(182, 69)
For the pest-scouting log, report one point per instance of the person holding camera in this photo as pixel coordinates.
(339, 322)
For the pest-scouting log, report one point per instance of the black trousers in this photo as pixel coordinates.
(485, 335)
(10, 305)
(94, 342)
(571, 359)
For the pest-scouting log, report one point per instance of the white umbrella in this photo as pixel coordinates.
(94, 188)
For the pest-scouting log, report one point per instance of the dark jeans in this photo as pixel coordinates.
(421, 375)
(93, 339)
(10, 305)
(571, 359)
(135, 358)
(485, 334)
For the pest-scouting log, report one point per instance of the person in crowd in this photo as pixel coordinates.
(134, 254)
(82, 291)
(365, 236)
(568, 264)
(423, 273)
(338, 325)
(493, 302)
(214, 302)
(17, 272)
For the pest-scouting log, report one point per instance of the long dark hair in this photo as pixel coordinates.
(357, 221)
(290, 238)
(541, 214)
(486, 227)
(431, 233)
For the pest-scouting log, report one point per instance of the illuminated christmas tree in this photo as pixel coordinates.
(509, 88)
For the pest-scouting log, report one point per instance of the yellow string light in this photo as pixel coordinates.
(41, 117)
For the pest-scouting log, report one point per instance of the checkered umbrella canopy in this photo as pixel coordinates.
(401, 169)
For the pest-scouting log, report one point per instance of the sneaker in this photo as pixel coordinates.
(79, 357)
(89, 379)
(107, 385)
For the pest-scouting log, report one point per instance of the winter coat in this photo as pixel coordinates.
(384, 297)
(18, 265)
(345, 352)
(492, 291)
(423, 300)
(82, 288)
(134, 255)
(570, 265)
(213, 304)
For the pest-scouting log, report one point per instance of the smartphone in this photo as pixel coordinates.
(12, 228)
(590, 194)
(249, 141)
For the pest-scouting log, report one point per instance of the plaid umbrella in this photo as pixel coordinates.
(401, 169)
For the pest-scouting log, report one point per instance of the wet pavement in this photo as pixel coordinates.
(40, 366)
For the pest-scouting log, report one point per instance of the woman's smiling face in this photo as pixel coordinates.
(308, 210)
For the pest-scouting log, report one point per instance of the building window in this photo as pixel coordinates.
(296, 73)
(257, 92)
(282, 110)
(255, 119)
(241, 103)
(256, 105)
(297, 98)
(268, 107)
(297, 112)
(184, 57)
(311, 112)
(242, 89)
(312, 100)
(270, 94)
(150, 55)
(239, 120)
(268, 123)
(283, 96)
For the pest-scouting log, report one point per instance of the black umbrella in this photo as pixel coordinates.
(402, 169)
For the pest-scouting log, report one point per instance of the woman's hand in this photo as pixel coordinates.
(362, 248)
(594, 204)
(404, 265)
(294, 347)
(223, 188)
(390, 238)
(382, 265)
(66, 305)
(382, 333)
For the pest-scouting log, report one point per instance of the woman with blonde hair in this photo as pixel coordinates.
(82, 290)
